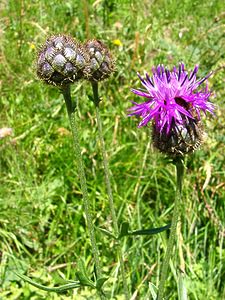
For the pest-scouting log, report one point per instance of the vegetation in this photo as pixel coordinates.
(42, 224)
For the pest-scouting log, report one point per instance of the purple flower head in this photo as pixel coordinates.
(173, 98)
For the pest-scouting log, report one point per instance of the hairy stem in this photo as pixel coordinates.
(176, 212)
(96, 101)
(71, 109)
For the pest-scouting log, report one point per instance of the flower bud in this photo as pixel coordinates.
(182, 139)
(61, 60)
(101, 64)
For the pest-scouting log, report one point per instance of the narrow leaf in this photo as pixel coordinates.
(108, 233)
(150, 231)
(182, 291)
(153, 291)
(82, 275)
(58, 289)
(84, 281)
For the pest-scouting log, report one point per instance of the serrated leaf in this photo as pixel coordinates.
(58, 289)
(150, 231)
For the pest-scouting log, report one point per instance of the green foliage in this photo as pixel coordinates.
(42, 223)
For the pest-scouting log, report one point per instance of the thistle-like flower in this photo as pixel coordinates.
(174, 105)
(101, 64)
(61, 60)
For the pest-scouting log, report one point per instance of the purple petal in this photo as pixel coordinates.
(162, 89)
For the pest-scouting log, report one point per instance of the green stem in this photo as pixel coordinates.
(176, 212)
(71, 109)
(96, 101)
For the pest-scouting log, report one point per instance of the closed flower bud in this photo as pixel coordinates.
(61, 60)
(101, 64)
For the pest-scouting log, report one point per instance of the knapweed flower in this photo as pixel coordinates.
(101, 65)
(61, 60)
(174, 105)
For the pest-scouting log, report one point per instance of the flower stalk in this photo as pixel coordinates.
(96, 101)
(179, 163)
(71, 109)
(175, 101)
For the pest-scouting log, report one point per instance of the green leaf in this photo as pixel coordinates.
(124, 230)
(153, 291)
(108, 233)
(150, 231)
(82, 275)
(91, 98)
(182, 290)
(100, 282)
(84, 281)
(58, 289)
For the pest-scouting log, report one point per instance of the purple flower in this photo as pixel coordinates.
(173, 98)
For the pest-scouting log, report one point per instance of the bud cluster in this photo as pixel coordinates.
(63, 60)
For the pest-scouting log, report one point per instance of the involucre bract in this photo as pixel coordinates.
(61, 60)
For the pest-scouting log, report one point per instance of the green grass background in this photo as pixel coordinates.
(42, 223)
